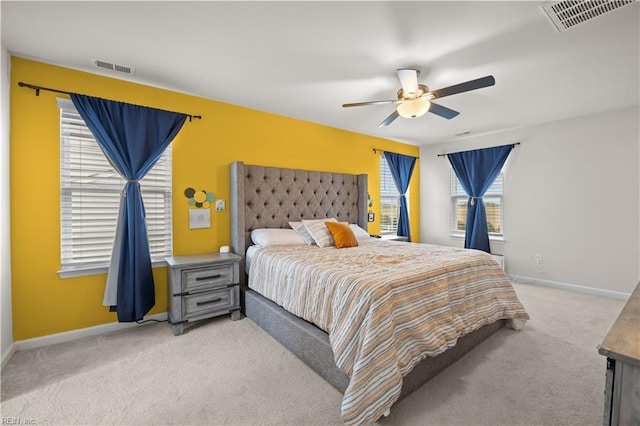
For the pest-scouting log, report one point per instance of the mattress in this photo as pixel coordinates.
(249, 255)
(385, 306)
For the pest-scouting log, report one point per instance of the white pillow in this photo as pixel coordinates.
(276, 237)
(302, 231)
(361, 234)
(319, 231)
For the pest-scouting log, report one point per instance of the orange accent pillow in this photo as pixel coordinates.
(342, 234)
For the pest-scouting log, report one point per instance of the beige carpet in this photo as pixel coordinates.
(224, 372)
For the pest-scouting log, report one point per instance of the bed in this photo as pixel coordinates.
(361, 366)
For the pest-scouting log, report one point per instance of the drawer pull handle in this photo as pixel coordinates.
(210, 277)
(208, 302)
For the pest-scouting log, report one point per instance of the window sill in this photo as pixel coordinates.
(84, 271)
(491, 237)
(392, 237)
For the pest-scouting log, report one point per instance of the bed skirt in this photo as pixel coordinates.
(311, 345)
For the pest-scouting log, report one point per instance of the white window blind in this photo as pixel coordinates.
(90, 195)
(389, 200)
(492, 202)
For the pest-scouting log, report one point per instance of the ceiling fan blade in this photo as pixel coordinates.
(354, 104)
(442, 111)
(464, 87)
(389, 119)
(409, 81)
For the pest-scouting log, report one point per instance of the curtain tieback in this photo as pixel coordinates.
(123, 192)
(473, 200)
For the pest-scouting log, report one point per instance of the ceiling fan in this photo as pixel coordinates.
(414, 100)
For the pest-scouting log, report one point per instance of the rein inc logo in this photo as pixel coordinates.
(17, 421)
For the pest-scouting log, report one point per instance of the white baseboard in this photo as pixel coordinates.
(107, 328)
(6, 356)
(571, 287)
(69, 336)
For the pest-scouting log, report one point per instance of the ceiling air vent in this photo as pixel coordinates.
(566, 14)
(110, 66)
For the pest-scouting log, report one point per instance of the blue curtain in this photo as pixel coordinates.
(401, 167)
(476, 170)
(132, 138)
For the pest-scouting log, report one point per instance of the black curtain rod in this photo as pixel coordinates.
(444, 155)
(39, 88)
(376, 150)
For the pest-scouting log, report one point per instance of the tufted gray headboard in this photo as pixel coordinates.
(270, 197)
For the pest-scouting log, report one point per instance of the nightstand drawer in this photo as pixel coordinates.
(200, 279)
(217, 300)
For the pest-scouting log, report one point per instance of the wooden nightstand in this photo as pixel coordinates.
(202, 286)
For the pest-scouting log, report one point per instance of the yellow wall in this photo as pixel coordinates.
(43, 303)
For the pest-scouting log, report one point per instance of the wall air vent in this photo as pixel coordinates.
(566, 14)
(110, 66)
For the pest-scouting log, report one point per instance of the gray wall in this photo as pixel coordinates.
(6, 333)
(572, 194)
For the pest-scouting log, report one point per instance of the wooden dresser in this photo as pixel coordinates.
(202, 286)
(622, 349)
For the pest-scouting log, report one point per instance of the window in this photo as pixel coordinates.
(90, 198)
(389, 200)
(492, 202)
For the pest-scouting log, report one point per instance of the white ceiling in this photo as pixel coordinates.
(305, 59)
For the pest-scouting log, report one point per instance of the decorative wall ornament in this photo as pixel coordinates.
(199, 219)
(200, 199)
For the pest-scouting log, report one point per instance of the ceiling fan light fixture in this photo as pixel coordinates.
(414, 103)
(413, 108)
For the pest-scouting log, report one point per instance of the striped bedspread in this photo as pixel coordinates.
(385, 306)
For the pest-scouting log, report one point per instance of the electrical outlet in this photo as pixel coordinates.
(219, 205)
(538, 259)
